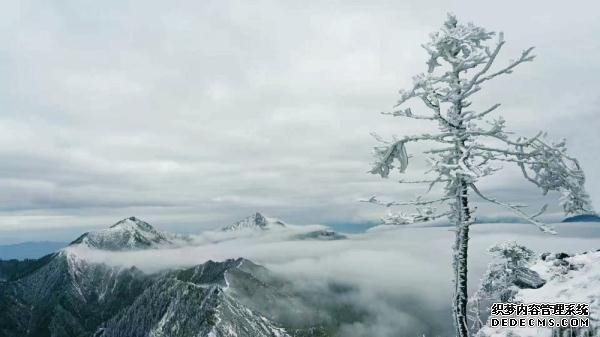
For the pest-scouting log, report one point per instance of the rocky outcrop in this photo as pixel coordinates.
(528, 279)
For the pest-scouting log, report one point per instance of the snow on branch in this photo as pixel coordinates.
(421, 215)
(386, 157)
(517, 209)
(551, 169)
(471, 142)
(417, 202)
(407, 113)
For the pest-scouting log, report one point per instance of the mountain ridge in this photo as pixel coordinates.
(65, 294)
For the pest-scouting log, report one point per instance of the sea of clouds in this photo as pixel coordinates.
(402, 276)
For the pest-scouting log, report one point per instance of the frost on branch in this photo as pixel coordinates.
(386, 157)
(550, 168)
(468, 143)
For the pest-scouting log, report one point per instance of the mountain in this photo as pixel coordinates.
(14, 269)
(583, 218)
(192, 302)
(255, 221)
(128, 234)
(65, 295)
(29, 250)
(258, 222)
(68, 296)
(320, 234)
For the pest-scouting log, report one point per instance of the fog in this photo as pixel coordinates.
(401, 276)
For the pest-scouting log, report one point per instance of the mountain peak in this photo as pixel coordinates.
(254, 221)
(259, 219)
(127, 234)
(133, 222)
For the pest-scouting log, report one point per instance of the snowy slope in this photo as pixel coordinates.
(573, 279)
(255, 221)
(69, 296)
(191, 302)
(66, 296)
(128, 234)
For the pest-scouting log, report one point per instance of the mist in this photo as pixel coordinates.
(401, 277)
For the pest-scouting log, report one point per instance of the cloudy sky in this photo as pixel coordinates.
(193, 114)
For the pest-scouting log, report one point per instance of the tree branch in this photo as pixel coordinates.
(530, 218)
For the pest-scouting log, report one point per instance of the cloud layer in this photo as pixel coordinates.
(400, 277)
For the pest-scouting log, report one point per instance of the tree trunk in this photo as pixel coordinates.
(460, 262)
(463, 220)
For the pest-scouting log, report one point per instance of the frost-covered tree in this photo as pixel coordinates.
(468, 144)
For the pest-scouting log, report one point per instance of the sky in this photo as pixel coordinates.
(194, 114)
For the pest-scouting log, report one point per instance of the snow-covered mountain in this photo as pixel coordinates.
(128, 234)
(63, 295)
(66, 294)
(255, 221)
(261, 224)
(191, 302)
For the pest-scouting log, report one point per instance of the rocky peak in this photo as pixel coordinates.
(255, 221)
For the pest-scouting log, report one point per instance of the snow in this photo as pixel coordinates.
(255, 221)
(130, 234)
(576, 286)
(565, 286)
(265, 228)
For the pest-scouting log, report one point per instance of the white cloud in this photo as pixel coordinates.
(198, 114)
(401, 277)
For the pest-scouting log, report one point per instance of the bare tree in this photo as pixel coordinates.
(469, 145)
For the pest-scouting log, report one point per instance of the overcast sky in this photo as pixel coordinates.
(193, 114)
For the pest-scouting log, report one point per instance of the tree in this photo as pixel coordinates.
(468, 145)
(499, 283)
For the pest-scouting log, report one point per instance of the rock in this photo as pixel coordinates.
(528, 279)
(562, 256)
(560, 263)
